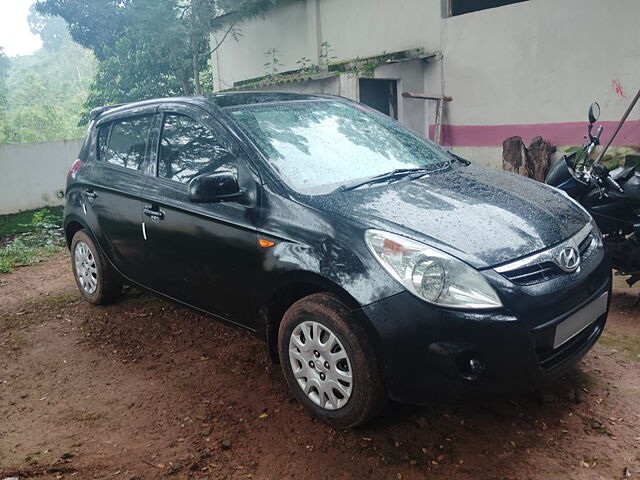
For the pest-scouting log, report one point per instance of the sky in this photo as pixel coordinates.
(15, 36)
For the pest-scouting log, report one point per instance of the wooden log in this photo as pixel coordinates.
(539, 158)
(532, 161)
(514, 156)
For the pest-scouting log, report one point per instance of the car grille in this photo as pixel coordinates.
(542, 266)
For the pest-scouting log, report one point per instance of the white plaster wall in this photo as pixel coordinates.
(353, 28)
(487, 156)
(362, 28)
(541, 61)
(284, 28)
(31, 174)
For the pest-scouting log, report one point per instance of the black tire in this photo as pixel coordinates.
(367, 394)
(107, 282)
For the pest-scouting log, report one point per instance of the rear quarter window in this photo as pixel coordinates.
(103, 138)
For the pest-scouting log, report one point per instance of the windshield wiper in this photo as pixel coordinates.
(461, 160)
(396, 174)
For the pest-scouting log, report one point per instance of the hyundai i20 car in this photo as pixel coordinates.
(374, 264)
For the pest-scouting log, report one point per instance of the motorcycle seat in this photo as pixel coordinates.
(622, 174)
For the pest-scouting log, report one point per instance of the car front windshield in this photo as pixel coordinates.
(318, 146)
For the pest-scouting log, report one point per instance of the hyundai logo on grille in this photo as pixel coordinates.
(569, 259)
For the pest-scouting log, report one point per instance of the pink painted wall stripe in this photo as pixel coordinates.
(570, 133)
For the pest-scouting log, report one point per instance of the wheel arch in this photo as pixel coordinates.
(296, 287)
(73, 225)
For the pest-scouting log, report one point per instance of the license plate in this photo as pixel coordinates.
(580, 320)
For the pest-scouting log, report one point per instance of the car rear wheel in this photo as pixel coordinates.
(329, 362)
(97, 281)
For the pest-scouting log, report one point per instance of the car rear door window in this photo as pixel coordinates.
(127, 143)
(189, 149)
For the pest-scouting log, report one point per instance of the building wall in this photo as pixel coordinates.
(352, 28)
(284, 28)
(32, 174)
(533, 68)
(363, 28)
(527, 69)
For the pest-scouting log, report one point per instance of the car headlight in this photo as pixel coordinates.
(431, 274)
(596, 232)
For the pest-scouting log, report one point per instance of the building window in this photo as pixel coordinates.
(460, 7)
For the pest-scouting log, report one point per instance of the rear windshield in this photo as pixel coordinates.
(318, 146)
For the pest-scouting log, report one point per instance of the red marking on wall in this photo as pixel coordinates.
(618, 88)
(569, 133)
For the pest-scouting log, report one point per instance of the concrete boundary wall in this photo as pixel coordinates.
(31, 174)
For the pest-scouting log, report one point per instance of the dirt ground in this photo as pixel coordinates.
(146, 390)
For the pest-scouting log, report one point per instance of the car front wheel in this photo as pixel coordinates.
(329, 363)
(97, 281)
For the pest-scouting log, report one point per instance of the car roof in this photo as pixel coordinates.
(221, 100)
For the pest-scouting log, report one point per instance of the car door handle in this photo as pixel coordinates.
(90, 193)
(153, 212)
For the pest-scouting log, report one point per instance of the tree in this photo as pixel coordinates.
(4, 65)
(41, 95)
(4, 70)
(52, 30)
(149, 48)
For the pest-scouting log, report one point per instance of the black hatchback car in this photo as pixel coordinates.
(375, 264)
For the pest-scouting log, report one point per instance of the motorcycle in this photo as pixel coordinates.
(612, 197)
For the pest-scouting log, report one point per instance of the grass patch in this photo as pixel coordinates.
(29, 237)
(32, 457)
(18, 223)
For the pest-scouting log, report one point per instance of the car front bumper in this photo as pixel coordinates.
(430, 354)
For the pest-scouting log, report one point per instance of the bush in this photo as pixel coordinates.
(40, 238)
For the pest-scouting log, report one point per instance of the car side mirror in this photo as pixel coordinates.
(214, 187)
(594, 112)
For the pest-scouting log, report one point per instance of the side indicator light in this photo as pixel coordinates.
(264, 243)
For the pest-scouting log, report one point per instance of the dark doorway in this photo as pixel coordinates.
(460, 7)
(381, 95)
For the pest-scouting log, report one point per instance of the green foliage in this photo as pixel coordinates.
(4, 65)
(150, 48)
(272, 65)
(23, 222)
(52, 30)
(32, 242)
(144, 48)
(42, 94)
(306, 68)
(326, 53)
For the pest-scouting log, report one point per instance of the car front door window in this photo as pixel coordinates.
(189, 149)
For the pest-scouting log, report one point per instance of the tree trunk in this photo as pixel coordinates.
(514, 156)
(196, 73)
(532, 161)
(195, 56)
(186, 86)
(540, 156)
